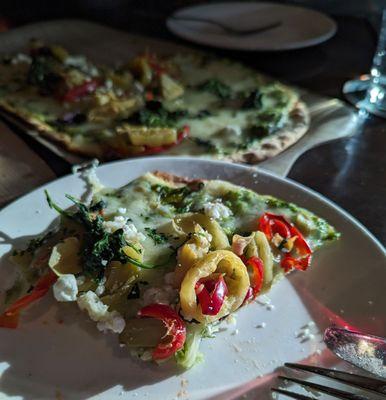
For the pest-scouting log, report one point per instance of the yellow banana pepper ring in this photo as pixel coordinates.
(188, 221)
(235, 276)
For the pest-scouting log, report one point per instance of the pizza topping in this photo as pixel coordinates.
(215, 263)
(98, 312)
(65, 288)
(174, 338)
(253, 100)
(211, 293)
(170, 89)
(10, 317)
(217, 87)
(255, 269)
(217, 210)
(104, 254)
(286, 237)
(78, 92)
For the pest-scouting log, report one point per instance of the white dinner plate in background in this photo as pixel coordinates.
(300, 27)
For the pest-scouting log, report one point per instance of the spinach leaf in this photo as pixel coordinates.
(253, 100)
(41, 74)
(217, 87)
(155, 115)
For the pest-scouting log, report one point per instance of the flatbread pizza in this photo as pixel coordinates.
(163, 260)
(183, 104)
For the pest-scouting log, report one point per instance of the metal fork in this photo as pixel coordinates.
(372, 384)
(228, 29)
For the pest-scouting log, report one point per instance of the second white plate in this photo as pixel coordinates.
(300, 27)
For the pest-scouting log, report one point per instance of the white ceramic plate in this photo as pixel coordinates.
(301, 27)
(44, 358)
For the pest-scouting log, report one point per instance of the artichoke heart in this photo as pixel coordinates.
(147, 136)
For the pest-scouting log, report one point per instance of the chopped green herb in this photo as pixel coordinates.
(253, 100)
(158, 238)
(155, 115)
(218, 88)
(182, 199)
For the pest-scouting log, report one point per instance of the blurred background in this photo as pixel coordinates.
(343, 57)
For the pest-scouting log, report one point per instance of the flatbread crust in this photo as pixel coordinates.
(298, 125)
(90, 150)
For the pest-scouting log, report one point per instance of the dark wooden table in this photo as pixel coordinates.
(349, 171)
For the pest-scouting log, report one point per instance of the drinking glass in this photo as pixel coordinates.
(369, 91)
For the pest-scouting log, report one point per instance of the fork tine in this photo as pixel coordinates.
(340, 394)
(293, 395)
(363, 382)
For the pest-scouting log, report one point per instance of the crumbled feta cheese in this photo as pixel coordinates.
(129, 230)
(99, 313)
(217, 210)
(164, 210)
(164, 295)
(122, 210)
(113, 322)
(88, 173)
(65, 288)
(80, 280)
(108, 84)
(131, 233)
(101, 286)
(90, 302)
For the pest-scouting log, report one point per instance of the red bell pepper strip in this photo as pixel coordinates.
(175, 336)
(11, 315)
(303, 250)
(77, 92)
(270, 224)
(211, 294)
(159, 149)
(255, 269)
(256, 274)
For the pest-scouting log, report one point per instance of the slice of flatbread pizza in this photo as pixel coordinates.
(162, 260)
